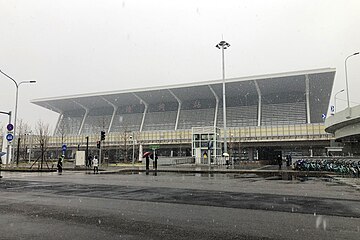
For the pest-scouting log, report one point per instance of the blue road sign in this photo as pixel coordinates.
(323, 116)
(9, 137)
(332, 108)
(64, 147)
(10, 127)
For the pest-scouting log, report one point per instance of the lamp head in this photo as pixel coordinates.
(223, 44)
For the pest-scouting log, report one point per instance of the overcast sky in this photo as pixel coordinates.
(84, 46)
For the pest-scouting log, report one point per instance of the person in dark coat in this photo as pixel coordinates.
(89, 160)
(147, 164)
(288, 160)
(60, 164)
(279, 161)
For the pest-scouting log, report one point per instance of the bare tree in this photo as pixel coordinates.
(124, 136)
(63, 130)
(24, 130)
(2, 133)
(101, 123)
(42, 137)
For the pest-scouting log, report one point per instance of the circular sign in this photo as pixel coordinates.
(9, 137)
(64, 147)
(10, 127)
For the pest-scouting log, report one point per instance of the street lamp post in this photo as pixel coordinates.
(224, 45)
(133, 149)
(346, 78)
(30, 140)
(16, 99)
(342, 90)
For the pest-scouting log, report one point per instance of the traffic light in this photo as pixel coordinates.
(98, 144)
(102, 135)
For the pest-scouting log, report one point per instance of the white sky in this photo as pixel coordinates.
(84, 46)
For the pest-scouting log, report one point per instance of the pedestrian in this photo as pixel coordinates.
(279, 161)
(88, 161)
(147, 164)
(95, 163)
(155, 161)
(288, 160)
(60, 164)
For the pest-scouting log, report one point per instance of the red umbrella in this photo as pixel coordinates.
(146, 154)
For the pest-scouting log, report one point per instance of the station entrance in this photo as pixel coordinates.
(206, 144)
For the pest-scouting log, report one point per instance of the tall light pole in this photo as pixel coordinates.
(224, 45)
(16, 99)
(342, 90)
(346, 78)
(132, 138)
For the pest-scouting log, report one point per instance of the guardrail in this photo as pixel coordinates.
(176, 161)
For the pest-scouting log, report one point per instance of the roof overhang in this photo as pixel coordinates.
(235, 87)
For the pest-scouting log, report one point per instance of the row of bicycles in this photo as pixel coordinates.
(341, 166)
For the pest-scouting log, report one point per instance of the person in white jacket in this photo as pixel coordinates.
(95, 163)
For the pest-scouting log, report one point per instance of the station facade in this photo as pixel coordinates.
(266, 115)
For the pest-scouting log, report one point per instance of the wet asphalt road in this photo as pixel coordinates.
(85, 206)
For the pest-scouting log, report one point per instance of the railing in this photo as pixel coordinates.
(176, 161)
(297, 132)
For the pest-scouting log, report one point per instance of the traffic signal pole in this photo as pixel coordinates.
(100, 154)
(102, 138)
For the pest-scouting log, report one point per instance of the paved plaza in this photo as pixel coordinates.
(170, 205)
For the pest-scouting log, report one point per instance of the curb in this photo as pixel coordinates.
(222, 171)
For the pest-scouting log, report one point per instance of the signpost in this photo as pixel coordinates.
(154, 147)
(9, 127)
(323, 116)
(64, 147)
(9, 137)
(332, 110)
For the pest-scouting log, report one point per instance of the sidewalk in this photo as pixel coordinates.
(266, 171)
(354, 182)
